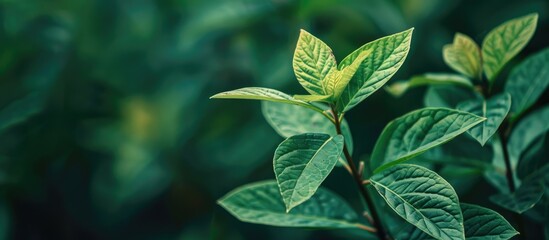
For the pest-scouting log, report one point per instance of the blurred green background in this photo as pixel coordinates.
(106, 129)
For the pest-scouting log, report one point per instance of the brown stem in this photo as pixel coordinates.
(358, 180)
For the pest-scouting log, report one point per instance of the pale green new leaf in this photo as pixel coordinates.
(422, 198)
(302, 162)
(265, 94)
(313, 59)
(482, 223)
(337, 80)
(388, 54)
(524, 198)
(399, 88)
(528, 81)
(417, 132)
(494, 110)
(506, 41)
(261, 203)
(463, 55)
(526, 132)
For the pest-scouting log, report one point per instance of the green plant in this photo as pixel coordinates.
(514, 129)
(318, 139)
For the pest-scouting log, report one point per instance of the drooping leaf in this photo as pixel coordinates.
(448, 96)
(528, 81)
(417, 132)
(289, 120)
(313, 59)
(463, 55)
(399, 88)
(494, 110)
(261, 203)
(506, 41)
(387, 55)
(526, 132)
(302, 162)
(265, 94)
(422, 198)
(524, 198)
(483, 223)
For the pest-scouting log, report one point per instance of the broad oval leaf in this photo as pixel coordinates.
(417, 132)
(313, 59)
(506, 41)
(524, 198)
(261, 203)
(289, 120)
(388, 54)
(526, 132)
(483, 223)
(463, 55)
(494, 110)
(265, 94)
(302, 162)
(422, 198)
(528, 81)
(399, 88)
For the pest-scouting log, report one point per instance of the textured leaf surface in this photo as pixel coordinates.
(483, 223)
(527, 131)
(494, 110)
(289, 120)
(266, 94)
(506, 41)
(399, 88)
(419, 131)
(524, 198)
(261, 203)
(528, 81)
(463, 55)
(422, 198)
(302, 162)
(337, 80)
(387, 55)
(313, 60)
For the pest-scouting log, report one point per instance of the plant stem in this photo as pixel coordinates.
(508, 168)
(358, 180)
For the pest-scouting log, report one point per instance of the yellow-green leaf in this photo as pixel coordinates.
(463, 55)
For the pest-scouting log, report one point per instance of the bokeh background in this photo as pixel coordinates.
(106, 129)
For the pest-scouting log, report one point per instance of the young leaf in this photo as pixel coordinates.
(417, 132)
(463, 55)
(289, 120)
(266, 94)
(313, 59)
(422, 198)
(526, 132)
(261, 203)
(399, 88)
(524, 198)
(528, 81)
(494, 110)
(337, 80)
(302, 162)
(388, 54)
(506, 41)
(483, 223)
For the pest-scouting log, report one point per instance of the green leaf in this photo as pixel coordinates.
(388, 54)
(313, 59)
(337, 80)
(265, 94)
(302, 162)
(261, 203)
(483, 223)
(494, 110)
(528, 81)
(422, 198)
(417, 132)
(506, 41)
(21, 109)
(399, 88)
(313, 98)
(524, 198)
(463, 55)
(289, 120)
(448, 96)
(526, 132)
